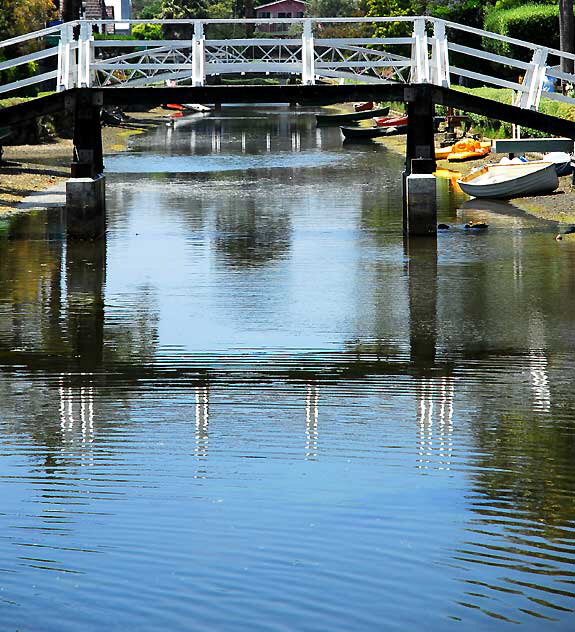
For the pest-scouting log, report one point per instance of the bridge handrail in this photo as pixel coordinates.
(33, 35)
(308, 54)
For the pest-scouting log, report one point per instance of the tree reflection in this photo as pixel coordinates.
(248, 238)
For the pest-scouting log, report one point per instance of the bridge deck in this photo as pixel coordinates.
(408, 93)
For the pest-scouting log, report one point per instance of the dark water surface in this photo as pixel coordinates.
(252, 407)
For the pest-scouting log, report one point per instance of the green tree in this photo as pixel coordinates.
(147, 9)
(332, 8)
(391, 8)
(183, 9)
(24, 16)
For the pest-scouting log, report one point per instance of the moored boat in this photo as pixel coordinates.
(338, 119)
(390, 121)
(362, 133)
(393, 130)
(362, 107)
(511, 180)
(465, 149)
(562, 161)
(187, 107)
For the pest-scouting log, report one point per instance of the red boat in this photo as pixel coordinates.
(390, 121)
(362, 107)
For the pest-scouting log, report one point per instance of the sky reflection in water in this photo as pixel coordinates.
(254, 407)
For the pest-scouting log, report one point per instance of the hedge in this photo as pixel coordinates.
(535, 23)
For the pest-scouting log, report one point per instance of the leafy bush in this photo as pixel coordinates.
(535, 23)
(17, 73)
(147, 31)
(109, 36)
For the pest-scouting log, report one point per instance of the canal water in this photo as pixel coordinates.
(253, 407)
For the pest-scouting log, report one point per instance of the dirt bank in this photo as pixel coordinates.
(37, 167)
(558, 206)
(41, 166)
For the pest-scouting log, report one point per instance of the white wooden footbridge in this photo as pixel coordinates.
(310, 48)
(335, 60)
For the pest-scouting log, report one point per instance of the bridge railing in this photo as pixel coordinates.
(428, 50)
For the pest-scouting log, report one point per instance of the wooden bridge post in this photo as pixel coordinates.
(420, 207)
(88, 159)
(85, 191)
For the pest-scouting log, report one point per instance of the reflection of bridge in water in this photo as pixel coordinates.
(69, 344)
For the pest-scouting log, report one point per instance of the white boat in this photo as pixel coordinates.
(511, 180)
(562, 162)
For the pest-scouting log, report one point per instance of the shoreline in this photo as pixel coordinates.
(40, 167)
(558, 206)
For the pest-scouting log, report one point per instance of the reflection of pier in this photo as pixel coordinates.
(66, 334)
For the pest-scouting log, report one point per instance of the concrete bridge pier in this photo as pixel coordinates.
(419, 201)
(86, 189)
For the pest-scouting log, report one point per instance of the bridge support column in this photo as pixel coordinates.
(86, 191)
(88, 158)
(420, 217)
(86, 207)
(420, 207)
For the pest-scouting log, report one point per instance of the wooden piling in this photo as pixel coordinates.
(86, 190)
(419, 204)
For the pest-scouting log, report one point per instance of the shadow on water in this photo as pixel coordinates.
(257, 386)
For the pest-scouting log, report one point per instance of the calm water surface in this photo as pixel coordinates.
(252, 407)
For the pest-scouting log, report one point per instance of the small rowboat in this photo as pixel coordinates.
(362, 107)
(338, 119)
(562, 162)
(395, 129)
(511, 180)
(366, 133)
(187, 107)
(362, 133)
(390, 121)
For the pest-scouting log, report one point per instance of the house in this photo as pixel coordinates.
(279, 9)
(69, 10)
(121, 9)
(94, 10)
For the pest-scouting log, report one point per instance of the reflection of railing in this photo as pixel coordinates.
(435, 422)
(77, 417)
(423, 56)
(311, 414)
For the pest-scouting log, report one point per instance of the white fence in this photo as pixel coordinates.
(298, 46)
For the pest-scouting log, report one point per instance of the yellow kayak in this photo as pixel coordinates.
(467, 149)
